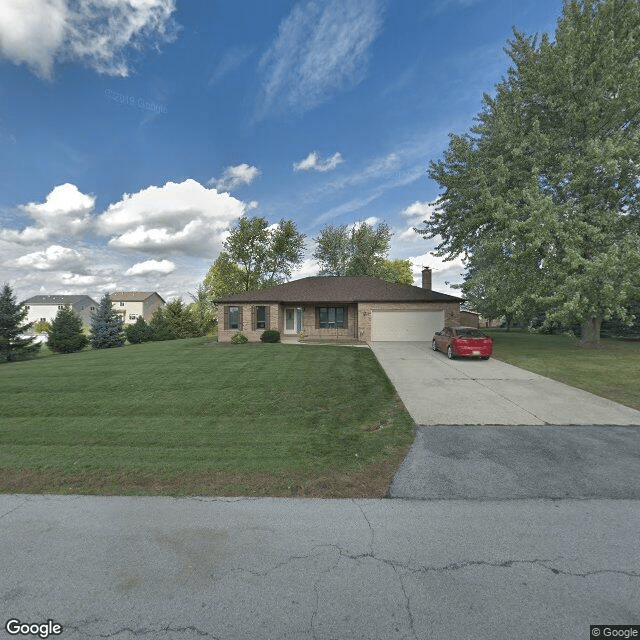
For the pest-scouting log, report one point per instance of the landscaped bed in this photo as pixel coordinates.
(194, 417)
(611, 371)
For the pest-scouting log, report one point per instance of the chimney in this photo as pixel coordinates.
(426, 278)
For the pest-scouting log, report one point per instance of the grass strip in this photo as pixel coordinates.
(194, 417)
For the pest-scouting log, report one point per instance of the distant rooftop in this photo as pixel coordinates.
(59, 299)
(132, 296)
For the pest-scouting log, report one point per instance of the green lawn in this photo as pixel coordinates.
(612, 371)
(197, 417)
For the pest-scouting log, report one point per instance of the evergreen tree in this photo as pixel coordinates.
(138, 332)
(12, 346)
(65, 335)
(173, 322)
(106, 326)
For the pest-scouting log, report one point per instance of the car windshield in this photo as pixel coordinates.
(469, 333)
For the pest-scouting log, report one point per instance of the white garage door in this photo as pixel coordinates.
(404, 326)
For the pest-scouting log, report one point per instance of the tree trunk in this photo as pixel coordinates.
(590, 334)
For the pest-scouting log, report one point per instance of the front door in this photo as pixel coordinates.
(292, 320)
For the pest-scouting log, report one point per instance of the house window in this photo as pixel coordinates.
(92, 308)
(122, 304)
(331, 317)
(133, 316)
(261, 317)
(43, 319)
(234, 318)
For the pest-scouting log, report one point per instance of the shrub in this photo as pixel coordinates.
(138, 332)
(239, 338)
(66, 335)
(270, 335)
(42, 327)
(174, 321)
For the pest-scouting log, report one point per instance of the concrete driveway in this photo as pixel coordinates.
(439, 391)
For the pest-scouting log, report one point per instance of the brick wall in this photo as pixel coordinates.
(311, 331)
(253, 335)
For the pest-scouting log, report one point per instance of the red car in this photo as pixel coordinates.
(462, 341)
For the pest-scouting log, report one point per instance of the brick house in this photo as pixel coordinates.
(357, 308)
(131, 304)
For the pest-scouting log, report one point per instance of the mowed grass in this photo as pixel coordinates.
(612, 371)
(194, 417)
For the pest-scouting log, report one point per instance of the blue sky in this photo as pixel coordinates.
(134, 133)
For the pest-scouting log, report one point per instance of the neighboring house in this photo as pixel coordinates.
(132, 304)
(45, 308)
(340, 307)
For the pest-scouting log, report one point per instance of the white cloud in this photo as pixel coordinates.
(321, 47)
(415, 214)
(444, 274)
(379, 168)
(371, 221)
(54, 258)
(177, 217)
(40, 32)
(235, 176)
(151, 266)
(419, 210)
(311, 162)
(78, 280)
(65, 211)
(65, 199)
(309, 267)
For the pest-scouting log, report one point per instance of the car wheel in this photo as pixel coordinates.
(484, 357)
(450, 353)
(434, 346)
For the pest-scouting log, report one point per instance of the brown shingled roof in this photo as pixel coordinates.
(346, 289)
(132, 296)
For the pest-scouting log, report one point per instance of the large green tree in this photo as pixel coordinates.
(256, 255)
(398, 271)
(203, 309)
(12, 315)
(174, 321)
(359, 250)
(264, 254)
(541, 196)
(65, 334)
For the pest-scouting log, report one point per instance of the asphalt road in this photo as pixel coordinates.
(506, 463)
(125, 568)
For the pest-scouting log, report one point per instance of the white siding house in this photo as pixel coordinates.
(45, 308)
